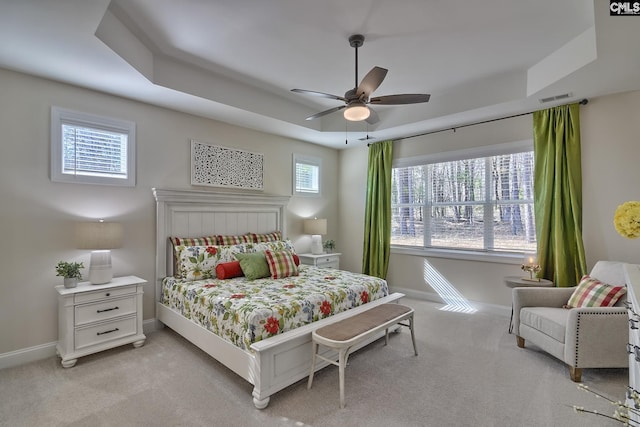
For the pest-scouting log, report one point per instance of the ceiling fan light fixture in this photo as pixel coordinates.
(357, 112)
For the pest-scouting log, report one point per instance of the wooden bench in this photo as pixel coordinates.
(344, 334)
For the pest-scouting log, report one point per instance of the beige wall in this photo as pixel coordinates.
(610, 149)
(37, 215)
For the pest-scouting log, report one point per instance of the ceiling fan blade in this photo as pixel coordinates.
(371, 81)
(408, 98)
(320, 94)
(325, 112)
(373, 117)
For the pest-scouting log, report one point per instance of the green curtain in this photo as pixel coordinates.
(377, 217)
(558, 194)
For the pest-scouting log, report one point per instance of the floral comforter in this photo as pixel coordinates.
(243, 311)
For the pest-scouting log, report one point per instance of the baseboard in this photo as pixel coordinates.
(27, 355)
(43, 351)
(500, 310)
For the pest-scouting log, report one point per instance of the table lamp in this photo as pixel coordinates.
(316, 227)
(100, 237)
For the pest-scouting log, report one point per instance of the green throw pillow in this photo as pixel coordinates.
(254, 265)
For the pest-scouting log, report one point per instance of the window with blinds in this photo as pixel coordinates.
(306, 173)
(92, 149)
(480, 204)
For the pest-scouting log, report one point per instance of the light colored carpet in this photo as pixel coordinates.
(469, 372)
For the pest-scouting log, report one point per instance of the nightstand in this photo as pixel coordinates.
(93, 318)
(323, 260)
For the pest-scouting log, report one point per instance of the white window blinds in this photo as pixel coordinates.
(483, 203)
(306, 172)
(94, 152)
(91, 149)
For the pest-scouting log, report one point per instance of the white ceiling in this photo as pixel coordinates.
(237, 60)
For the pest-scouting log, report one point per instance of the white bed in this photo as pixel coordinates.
(276, 362)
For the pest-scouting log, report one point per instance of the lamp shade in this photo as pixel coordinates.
(315, 226)
(98, 235)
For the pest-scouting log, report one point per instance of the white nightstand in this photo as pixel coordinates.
(93, 318)
(322, 260)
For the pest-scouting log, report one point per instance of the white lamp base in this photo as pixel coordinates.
(316, 244)
(100, 271)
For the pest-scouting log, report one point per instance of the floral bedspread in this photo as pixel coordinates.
(243, 311)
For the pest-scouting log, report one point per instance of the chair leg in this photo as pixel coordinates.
(520, 341)
(575, 374)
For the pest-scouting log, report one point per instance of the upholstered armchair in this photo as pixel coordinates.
(584, 337)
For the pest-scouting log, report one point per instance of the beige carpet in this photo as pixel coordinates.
(469, 373)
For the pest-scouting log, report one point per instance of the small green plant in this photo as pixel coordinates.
(329, 245)
(69, 269)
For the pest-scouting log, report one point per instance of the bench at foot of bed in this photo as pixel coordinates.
(341, 336)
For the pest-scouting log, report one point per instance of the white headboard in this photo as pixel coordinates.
(192, 213)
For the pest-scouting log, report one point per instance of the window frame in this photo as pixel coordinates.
(502, 256)
(311, 161)
(62, 116)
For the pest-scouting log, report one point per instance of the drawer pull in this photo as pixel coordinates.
(108, 332)
(635, 350)
(107, 309)
(108, 294)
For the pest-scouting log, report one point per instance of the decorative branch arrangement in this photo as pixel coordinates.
(623, 413)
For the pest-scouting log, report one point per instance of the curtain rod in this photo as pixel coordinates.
(581, 102)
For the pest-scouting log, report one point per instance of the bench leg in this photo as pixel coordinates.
(386, 336)
(413, 336)
(342, 362)
(314, 349)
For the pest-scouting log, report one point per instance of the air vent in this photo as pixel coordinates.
(556, 98)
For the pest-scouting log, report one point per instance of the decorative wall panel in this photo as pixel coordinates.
(218, 166)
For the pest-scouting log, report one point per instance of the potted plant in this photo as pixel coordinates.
(70, 271)
(329, 245)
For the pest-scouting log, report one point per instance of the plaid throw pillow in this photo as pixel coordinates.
(193, 241)
(281, 264)
(269, 237)
(591, 292)
(234, 240)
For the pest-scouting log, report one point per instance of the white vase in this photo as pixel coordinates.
(70, 282)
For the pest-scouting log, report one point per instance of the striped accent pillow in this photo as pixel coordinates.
(591, 292)
(281, 264)
(234, 239)
(269, 237)
(194, 241)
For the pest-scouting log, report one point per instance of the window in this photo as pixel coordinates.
(91, 149)
(466, 201)
(306, 173)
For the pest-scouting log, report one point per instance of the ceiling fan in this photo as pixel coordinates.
(357, 100)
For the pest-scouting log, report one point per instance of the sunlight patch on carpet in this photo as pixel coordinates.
(454, 300)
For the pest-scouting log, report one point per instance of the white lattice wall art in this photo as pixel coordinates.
(225, 167)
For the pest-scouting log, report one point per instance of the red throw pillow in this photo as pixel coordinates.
(228, 270)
